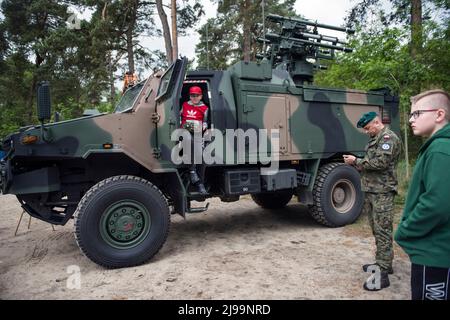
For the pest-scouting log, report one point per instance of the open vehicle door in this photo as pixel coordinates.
(168, 107)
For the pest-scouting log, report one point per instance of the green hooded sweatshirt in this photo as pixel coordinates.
(424, 231)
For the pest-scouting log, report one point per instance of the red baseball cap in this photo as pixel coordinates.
(195, 90)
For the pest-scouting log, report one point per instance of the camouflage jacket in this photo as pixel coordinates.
(379, 164)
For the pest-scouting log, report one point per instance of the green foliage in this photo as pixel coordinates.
(188, 15)
(69, 109)
(106, 107)
(378, 61)
(41, 47)
(382, 59)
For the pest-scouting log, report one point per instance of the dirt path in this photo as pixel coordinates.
(233, 251)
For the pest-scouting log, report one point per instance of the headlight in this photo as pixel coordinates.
(28, 139)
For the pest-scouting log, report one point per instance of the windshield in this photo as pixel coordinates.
(127, 100)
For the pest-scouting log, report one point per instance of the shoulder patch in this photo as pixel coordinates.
(386, 147)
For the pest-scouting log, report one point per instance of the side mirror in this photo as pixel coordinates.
(44, 108)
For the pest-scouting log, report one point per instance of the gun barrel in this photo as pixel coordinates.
(320, 67)
(262, 40)
(324, 57)
(277, 18)
(322, 37)
(295, 41)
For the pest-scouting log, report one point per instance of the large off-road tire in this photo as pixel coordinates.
(122, 221)
(337, 195)
(273, 200)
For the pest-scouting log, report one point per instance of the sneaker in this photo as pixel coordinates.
(366, 267)
(374, 284)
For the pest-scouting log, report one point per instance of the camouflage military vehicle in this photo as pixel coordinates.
(114, 174)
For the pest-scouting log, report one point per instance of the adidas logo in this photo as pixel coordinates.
(191, 113)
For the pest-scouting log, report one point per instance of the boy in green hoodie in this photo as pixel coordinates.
(424, 231)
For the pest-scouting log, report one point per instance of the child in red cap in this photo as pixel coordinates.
(194, 115)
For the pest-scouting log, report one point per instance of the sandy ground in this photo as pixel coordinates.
(233, 251)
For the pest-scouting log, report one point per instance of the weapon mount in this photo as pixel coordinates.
(299, 46)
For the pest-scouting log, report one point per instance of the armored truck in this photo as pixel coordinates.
(119, 177)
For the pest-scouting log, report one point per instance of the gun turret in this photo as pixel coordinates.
(299, 47)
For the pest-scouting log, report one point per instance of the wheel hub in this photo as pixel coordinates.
(343, 196)
(339, 195)
(124, 224)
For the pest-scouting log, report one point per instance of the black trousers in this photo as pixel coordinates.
(429, 283)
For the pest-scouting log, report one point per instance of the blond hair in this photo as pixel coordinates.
(445, 104)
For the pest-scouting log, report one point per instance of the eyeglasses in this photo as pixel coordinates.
(416, 114)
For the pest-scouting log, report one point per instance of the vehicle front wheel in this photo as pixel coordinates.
(122, 221)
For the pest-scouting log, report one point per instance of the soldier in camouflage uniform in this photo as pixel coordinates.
(379, 182)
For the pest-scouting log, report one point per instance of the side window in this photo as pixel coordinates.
(169, 79)
(165, 81)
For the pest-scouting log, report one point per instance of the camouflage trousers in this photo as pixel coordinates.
(380, 209)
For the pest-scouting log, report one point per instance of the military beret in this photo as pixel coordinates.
(366, 118)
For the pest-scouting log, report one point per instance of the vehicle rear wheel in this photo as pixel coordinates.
(122, 221)
(273, 200)
(337, 195)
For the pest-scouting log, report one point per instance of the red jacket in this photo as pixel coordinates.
(195, 114)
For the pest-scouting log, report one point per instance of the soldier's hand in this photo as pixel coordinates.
(349, 159)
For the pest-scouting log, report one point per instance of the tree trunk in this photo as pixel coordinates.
(130, 52)
(112, 88)
(129, 35)
(111, 65)
(166, 30)
(247, 30)
(416, 28)
(174, 30)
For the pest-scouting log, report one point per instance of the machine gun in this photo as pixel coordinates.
(299, 46)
